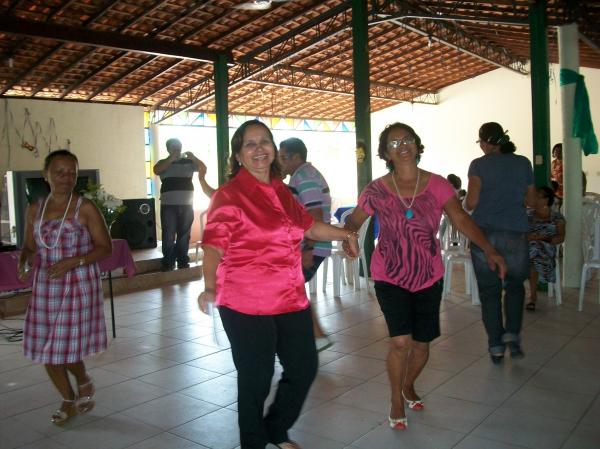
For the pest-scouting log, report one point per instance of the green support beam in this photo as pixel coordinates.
(222, 110)
(362, 102)
(540, 96)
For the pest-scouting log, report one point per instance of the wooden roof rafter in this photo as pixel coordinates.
(328, 25)
(56, 48)
(241, 25)
(287, 45)
(288, 76)
(87, 54)
(288, 51)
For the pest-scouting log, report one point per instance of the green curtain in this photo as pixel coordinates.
(582, 117)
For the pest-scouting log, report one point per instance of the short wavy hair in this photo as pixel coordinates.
(236, 147)
(383, 137)
(59, 153)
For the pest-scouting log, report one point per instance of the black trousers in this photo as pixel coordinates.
(255, 339)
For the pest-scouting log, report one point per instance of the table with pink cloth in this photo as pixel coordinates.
(120, 258)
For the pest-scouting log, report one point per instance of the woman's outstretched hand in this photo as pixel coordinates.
(350, 245)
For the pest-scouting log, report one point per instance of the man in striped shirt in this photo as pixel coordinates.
(311, 190)
(176, 204)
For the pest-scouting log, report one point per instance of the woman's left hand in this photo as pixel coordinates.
(59, 269)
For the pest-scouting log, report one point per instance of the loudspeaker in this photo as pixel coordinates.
(137, 224)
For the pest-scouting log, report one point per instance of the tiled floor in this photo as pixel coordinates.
(167, 382)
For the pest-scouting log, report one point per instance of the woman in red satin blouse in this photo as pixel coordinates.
(253, 268)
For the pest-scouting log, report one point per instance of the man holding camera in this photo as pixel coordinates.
(176, 204)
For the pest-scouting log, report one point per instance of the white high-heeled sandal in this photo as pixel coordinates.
(414, 405)
(398, 423)
(60, 416)
(86, 403)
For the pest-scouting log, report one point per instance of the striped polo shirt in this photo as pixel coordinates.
(176, 183)
(310, 189)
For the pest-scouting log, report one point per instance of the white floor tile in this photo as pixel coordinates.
(165, 383)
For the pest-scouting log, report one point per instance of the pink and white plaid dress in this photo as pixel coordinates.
(65, 317)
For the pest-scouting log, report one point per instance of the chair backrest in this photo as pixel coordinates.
(362, 233)
(345, 215)
(590, 236)
(452, 238)
(203, 218)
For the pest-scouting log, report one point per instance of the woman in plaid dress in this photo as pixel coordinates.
(65, 317)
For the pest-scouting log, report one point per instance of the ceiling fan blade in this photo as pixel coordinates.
(257, 5)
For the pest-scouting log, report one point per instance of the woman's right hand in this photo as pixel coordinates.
(350, 245)
(206, 301)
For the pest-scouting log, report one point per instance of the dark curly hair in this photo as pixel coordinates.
(494, 134)
(58, 153)
(236, 147)
(548, 193)
(383, 137)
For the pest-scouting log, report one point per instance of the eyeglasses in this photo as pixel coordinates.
(397, 143)
(251, 145)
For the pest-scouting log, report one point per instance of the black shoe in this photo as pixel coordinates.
(497, 359)
(167, 268)
(182, 265)
(515, 351)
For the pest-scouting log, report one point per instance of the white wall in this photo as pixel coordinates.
(107, 137)
(449, 130)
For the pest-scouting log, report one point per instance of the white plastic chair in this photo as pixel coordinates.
(455, 249)
(555, 288)
(339, 257)
(591, 249)
(312, 284)
(362, 258)
(202, 225)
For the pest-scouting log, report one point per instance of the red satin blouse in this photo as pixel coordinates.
(259, 228)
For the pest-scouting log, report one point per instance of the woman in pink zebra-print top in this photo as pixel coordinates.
(407, 264)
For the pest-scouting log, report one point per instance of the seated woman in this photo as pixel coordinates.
(546, 230)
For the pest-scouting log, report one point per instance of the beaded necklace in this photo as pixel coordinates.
(409, 212)
(59, 228)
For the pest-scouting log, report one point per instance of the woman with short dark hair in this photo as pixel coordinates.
(407, 263)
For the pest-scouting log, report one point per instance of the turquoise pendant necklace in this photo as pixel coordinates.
(409, 214)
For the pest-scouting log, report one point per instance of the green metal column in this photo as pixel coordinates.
(222, 111)
(362, 99)
(362, 102)
(540, 96)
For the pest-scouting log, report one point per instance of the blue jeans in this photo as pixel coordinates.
(176, 222)
(513, 247)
